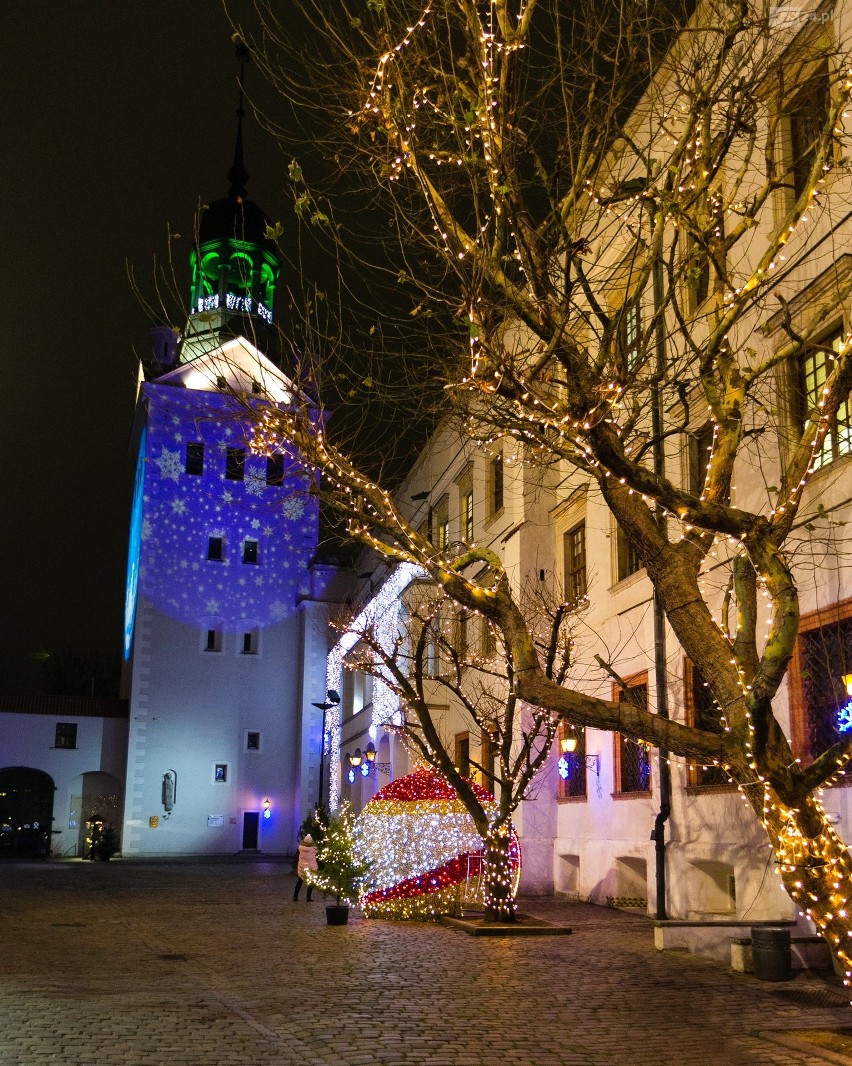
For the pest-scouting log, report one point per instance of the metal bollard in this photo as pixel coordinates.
(770, 953)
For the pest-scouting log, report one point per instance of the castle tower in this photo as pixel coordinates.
(225, 629)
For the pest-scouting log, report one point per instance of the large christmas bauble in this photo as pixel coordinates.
(426, 856)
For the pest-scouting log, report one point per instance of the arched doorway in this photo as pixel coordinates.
(26, 812)
(94, 795)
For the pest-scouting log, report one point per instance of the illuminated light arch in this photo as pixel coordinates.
(383, 614)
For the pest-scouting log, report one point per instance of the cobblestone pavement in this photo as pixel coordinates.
(212, 964)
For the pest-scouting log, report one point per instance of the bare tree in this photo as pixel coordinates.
(613, 208)
(446, 654)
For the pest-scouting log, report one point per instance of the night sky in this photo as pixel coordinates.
(118, 118)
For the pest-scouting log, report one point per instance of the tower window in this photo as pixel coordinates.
(275, 470)
(250, 551)
(235, 464)
(249, 646)
(195, 457)
(215, 549)
(252, 740)
(213, 640)
(66, 735)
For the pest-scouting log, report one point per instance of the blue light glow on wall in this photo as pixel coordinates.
(133, 550)
(844, 718)
(182, 512)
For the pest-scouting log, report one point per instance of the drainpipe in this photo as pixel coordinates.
(660, 666)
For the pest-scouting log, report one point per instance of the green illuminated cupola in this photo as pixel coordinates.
(235, 268)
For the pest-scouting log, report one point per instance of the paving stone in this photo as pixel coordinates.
(209, 964)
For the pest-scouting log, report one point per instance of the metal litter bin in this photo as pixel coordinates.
(770, 953)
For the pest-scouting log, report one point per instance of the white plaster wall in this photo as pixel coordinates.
(28, 740)
(190, 710)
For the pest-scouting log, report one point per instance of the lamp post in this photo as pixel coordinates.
(332, 699)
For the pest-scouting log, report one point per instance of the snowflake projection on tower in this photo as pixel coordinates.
(222, 540)
(426, 858)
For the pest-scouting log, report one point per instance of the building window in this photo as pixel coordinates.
(571, 763)
(249, 642)
(814, 368)
(66, 735)
(627, 558)
(632, 759)
(441, 526)
(462, 634)
(807, 114)
(488, 639)
(434, 658)
(215, 549)
(252, 740)
(466, 514)
(235, 464)
(496, 479)
(194, 458)
(703, 713)
(486, 759)
(821, 679)
(700, 448)
(275, 470)
(361, 688)
(631, 334)
(462, 759)
(250, 552)
(574, 553)
(220, 772)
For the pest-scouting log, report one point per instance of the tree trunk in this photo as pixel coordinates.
(497, 880)
(815, 867)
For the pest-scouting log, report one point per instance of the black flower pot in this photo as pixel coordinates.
(337, 914)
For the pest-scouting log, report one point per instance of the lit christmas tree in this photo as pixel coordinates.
(341, 871)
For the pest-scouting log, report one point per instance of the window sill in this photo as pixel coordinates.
(709, 790)
(631, 795)
(629, 581)
(572, 799)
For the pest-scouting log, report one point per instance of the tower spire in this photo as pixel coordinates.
(237, 175)
(235, 263)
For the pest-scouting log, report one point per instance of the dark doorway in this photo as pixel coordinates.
(251, 824)
(26, 812)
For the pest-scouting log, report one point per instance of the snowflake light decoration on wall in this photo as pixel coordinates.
(293, 507)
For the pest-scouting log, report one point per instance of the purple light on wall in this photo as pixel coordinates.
(262, 524)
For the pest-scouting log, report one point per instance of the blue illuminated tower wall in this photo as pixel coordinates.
(225, 624)
(225, 627)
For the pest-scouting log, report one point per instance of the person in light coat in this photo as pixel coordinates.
(306, 860)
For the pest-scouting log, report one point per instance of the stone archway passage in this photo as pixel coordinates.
(26, 812)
